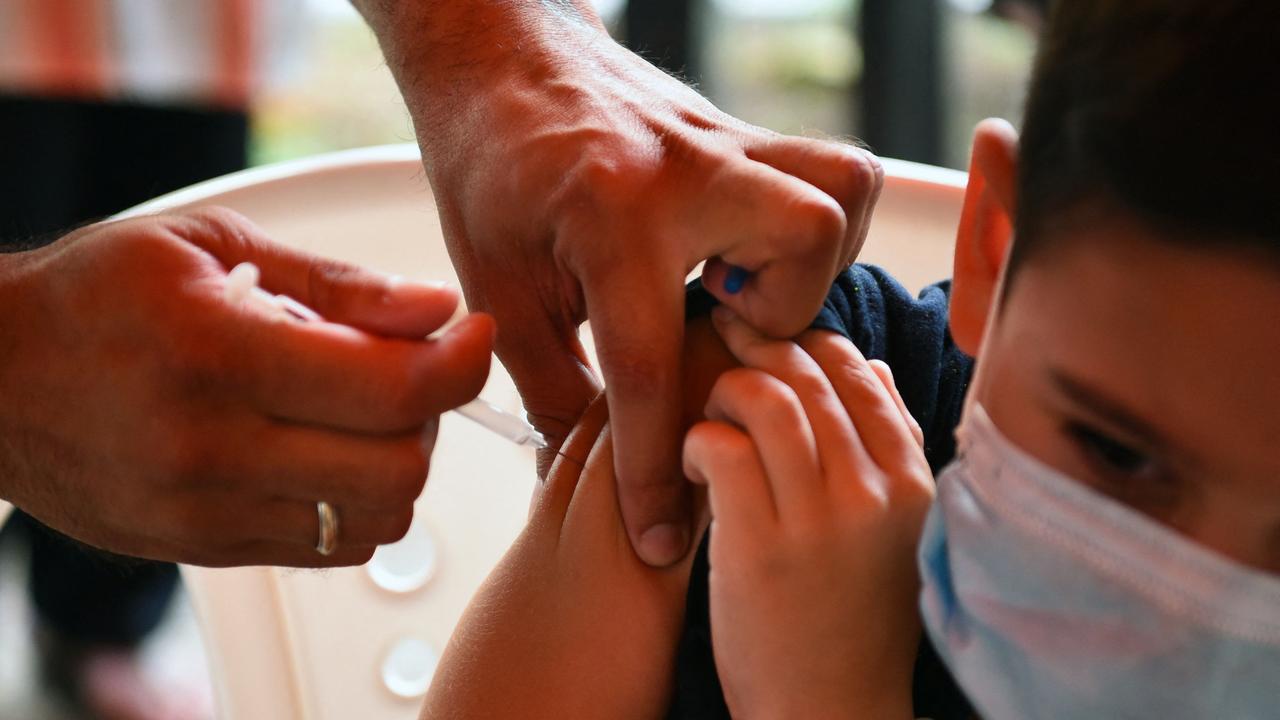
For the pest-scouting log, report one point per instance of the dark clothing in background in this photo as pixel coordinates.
(66, 162)
(62, 164)
(909, 333)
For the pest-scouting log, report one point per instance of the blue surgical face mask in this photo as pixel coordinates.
(1048, 600)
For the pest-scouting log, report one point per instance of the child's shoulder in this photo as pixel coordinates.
(875, 311)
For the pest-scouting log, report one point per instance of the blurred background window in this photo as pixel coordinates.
(910, 77)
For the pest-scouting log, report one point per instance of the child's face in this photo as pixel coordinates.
(1149, 371)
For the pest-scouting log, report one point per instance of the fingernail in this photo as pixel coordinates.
(663, 544)
(735, 279)
(400, 288)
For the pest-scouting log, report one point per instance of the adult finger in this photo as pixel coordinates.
(299, 523)
(375, 473)
(876, 418)
(281, 554)
(294, 522)
(549, 366)
(343, 378)
(839, 449)
(725, 459)
(216, 526)
(885, 374)
(852, 176)
(637, 316)
(787, 233)
(340, 292)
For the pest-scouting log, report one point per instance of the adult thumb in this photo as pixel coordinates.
(340, 292)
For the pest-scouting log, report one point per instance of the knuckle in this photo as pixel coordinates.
(863, 174)
(739, 450)
(603, 182)
(757, 392)
(778, 402)
(232, 231)
(216, 216)
(821, 221)
(916, 488)
(859, 379)
(713, 445)
(142, 239)
(742, 381)
(810, 383)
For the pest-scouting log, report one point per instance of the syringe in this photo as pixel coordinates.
(242, 287)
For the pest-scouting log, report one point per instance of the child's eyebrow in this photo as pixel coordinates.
(1109, 409)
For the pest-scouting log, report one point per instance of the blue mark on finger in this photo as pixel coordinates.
(736, 279)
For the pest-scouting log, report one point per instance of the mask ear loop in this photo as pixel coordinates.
(993, 313)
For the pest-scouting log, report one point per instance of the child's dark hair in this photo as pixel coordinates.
(1165, 109)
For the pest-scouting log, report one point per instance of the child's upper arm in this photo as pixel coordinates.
(570, 623)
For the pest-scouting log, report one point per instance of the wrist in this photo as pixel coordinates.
(449, 57)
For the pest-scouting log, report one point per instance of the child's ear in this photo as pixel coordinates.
(986, 229)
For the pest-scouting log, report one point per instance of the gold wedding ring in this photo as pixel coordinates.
(328, 540)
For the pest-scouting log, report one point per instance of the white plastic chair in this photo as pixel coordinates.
(285, 644)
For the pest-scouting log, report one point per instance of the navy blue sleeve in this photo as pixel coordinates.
(911, 334)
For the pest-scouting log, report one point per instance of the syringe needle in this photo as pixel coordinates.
(501, 422)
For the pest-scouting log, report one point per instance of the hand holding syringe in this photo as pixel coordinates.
(242, 288)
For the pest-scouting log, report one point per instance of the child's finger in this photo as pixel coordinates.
(876, 418)
(771, 414)
(723, 458)
(885, 373)
(839, 449)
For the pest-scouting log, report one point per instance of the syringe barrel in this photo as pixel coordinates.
(499, 421)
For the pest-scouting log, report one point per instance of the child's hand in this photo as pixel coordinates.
(570, 624)
(818, 488)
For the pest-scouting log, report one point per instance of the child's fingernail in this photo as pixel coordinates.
(662, 545)
(735, 279)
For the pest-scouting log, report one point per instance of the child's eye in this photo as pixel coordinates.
(1114, 457)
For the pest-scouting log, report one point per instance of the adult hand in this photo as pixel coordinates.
(143, 414)
(576, 180)
(818, 487)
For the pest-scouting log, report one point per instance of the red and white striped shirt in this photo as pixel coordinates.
(207, 52)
